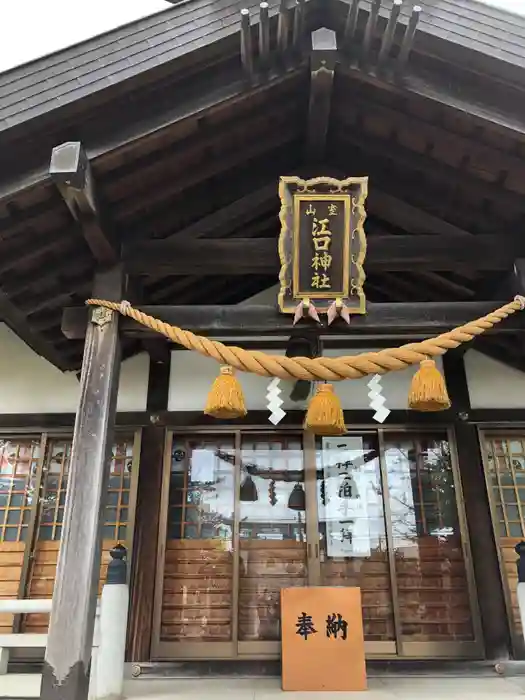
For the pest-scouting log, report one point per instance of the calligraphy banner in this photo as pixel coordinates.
(323, 645)
(322, 245)
(346, 497)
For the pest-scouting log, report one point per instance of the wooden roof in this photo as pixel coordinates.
(183, 144)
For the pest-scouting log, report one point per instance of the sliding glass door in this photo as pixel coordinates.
(246, 513)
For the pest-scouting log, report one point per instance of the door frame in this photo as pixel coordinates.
(484, 434)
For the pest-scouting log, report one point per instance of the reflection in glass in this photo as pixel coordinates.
(18, 466)
(54, 488)
(430, 569)
(198, 569)
(353, 545)
(272, 544)
(505, 471)
(51, 514)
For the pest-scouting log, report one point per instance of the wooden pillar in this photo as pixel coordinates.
(482, 541)
(144, 559)
(70, 638)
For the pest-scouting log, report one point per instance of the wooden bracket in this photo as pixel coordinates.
(70, 170)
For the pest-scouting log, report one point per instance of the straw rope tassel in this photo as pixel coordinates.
(226, 399)
(320, 368)
(325, 415)
(428, 390)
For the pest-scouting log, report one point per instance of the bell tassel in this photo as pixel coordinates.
(325, 415)
(226, 399)
(428, 391)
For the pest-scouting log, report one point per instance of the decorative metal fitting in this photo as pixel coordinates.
(101, 316)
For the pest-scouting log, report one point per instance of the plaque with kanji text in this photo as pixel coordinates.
(323, 644)
(322, 245)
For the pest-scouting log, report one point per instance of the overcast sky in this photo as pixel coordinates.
(517, 6)
(33, 28)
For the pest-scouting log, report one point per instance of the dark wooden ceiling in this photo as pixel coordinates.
(433, 168)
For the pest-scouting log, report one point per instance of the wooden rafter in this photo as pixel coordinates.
(17, 321)
(383, 319)
(70, 170)
(322, 69)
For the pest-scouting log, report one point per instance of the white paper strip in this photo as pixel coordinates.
(377, 400)
(273, 397)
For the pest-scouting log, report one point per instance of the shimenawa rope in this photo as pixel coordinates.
(331, 369)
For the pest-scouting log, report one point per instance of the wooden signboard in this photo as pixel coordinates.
(322, 245)
(322, 639)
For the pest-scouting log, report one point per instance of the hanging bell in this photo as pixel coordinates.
(297, 500)
(248, 491)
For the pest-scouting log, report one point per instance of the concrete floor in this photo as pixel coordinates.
(386, 688)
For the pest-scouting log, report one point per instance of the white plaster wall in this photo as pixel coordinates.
(30, 384)
(492, 384)
(192, 376)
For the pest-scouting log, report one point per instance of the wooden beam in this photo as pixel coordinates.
(70, 170)
(408, 40)
(322, 69)
(408, 217)
(234, 320)
(246, 43)
(233, 215)
(298, 24)
(65, 672)
(386, 206)
(241, 256)
(147, 511)
(193, 99)
(18, 323)
(264, 34)
(387, 40)
(518, 276)
(350, 24)
(437, 172)
(482, 542)
(370, 30)
(283, 27)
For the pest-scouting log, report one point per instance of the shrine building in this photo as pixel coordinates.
(147, 165)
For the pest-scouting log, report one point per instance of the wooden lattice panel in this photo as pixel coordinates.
(505, 470)
(19, 459)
